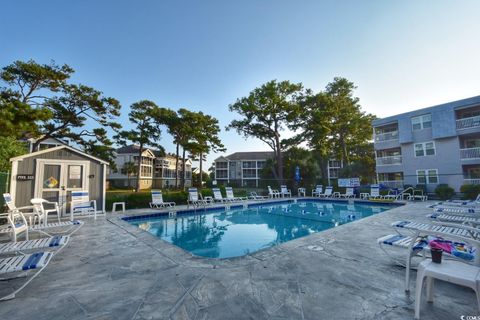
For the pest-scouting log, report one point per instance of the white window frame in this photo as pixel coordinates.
(427, 176)
(424, 149)
(421, 121)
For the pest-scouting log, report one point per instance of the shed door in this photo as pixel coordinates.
(56, 179)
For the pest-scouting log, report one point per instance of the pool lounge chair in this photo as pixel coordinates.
(42, 243)
(418, 195)
(157, 200)
(231, 197)
(194, 198)
(349, 193)
(217, 195)
(273, 193)
(392, 195)
(375, 192)
(458, 203)
(254, 196)
(469, 219)
(317, 191)
(81, 204)
(328, 192)
(284, 191)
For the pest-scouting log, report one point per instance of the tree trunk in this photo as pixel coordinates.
(176, 166)
(183, 169)
(201, 172)
(139, 173)
(279, 157)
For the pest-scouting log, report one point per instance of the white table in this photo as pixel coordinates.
(115, 204)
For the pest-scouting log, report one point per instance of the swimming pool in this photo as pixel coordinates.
(224, 234)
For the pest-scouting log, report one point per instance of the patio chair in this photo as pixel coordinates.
(317, 191)
(456, 209)
(29, 212)
(393, 194)
(273, 193)
(16, 225)
(217, 195)
(254, 196)
(349, 193)
(469, 219)
(81, 204)
(231, 197)
(418, 195)
(157, 200)
(194, 198)
(458, 203)
(41, 204)
(42, 243)
(328, 192)
(284, 191)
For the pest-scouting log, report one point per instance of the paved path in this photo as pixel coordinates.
(111, 270)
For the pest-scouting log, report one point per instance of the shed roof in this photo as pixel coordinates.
(33, 154)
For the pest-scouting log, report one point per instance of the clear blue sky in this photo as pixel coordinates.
(202, 55)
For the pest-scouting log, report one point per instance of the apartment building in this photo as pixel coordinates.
(156, 170)
(438, 144)
(243, 168)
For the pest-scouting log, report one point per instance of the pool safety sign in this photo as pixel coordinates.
(349, 182)
(50, 182)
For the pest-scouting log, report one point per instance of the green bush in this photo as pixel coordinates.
(444, 192)
(470, 191)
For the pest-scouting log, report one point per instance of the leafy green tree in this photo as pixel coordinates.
(130, 168)
(10, 147)
(266, 112)
(53, 107)
(145, 116)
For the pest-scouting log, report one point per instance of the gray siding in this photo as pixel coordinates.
(25, 189)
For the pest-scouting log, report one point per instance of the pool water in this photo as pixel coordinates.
(226, 234)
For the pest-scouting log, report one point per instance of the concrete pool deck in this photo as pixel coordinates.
(112, 270)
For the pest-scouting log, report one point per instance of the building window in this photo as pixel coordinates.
(221, 174)
(248, 164)
(260, 164)
(425, 149)
(221, 165)
(422, 122)
(249, 173)
(427, 176)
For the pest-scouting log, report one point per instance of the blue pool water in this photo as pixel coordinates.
(225, 234)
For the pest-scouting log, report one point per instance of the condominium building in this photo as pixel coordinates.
(242, 168)
(156, 170)
(438, 144)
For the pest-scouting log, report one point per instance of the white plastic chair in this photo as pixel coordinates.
(284, 191)
(157, 200)
(348, 193)
(40, 203)
(217, 195)
(16, 225)
(273, 193)
(318, 191)
(81, 204)
(328, 192)
(231, 196)
(30, 212)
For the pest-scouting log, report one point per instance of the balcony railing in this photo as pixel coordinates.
(387, 136)
(471, 181)
(470, 153)
(392, 183)
(390, 160)
(466, 123)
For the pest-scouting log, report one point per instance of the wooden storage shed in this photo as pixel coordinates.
(54, 173)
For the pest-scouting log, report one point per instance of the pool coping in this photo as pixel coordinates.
(182, 256)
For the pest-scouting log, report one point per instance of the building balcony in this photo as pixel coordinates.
(390, 160)
(467, 123)
(470, 153)
(387, 136)
(471, 181)
(392, 183)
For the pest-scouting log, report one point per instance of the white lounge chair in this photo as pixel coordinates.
(392, 195)
(375, 192)
(217, 195)
(418, 195)
(349, 193)
(317, 191)
(81, 204)
(16, 225)
(231, 196)
(31, 213)
(459, 203)
(273, 193)
(157, 200)
(41, 204)
(284, 191)
(470, 219)
(194, 198)
(328, 192)
(42, 243)
(255, 196)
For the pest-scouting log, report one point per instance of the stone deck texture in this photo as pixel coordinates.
(111, 270)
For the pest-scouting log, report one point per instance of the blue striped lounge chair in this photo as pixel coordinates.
(217, 195)
(157, 200)
(27, 245)
(81, 204)
(231, 196)
(194, 198)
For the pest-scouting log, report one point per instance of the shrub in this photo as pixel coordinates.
(444, 192)
(470, 191)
